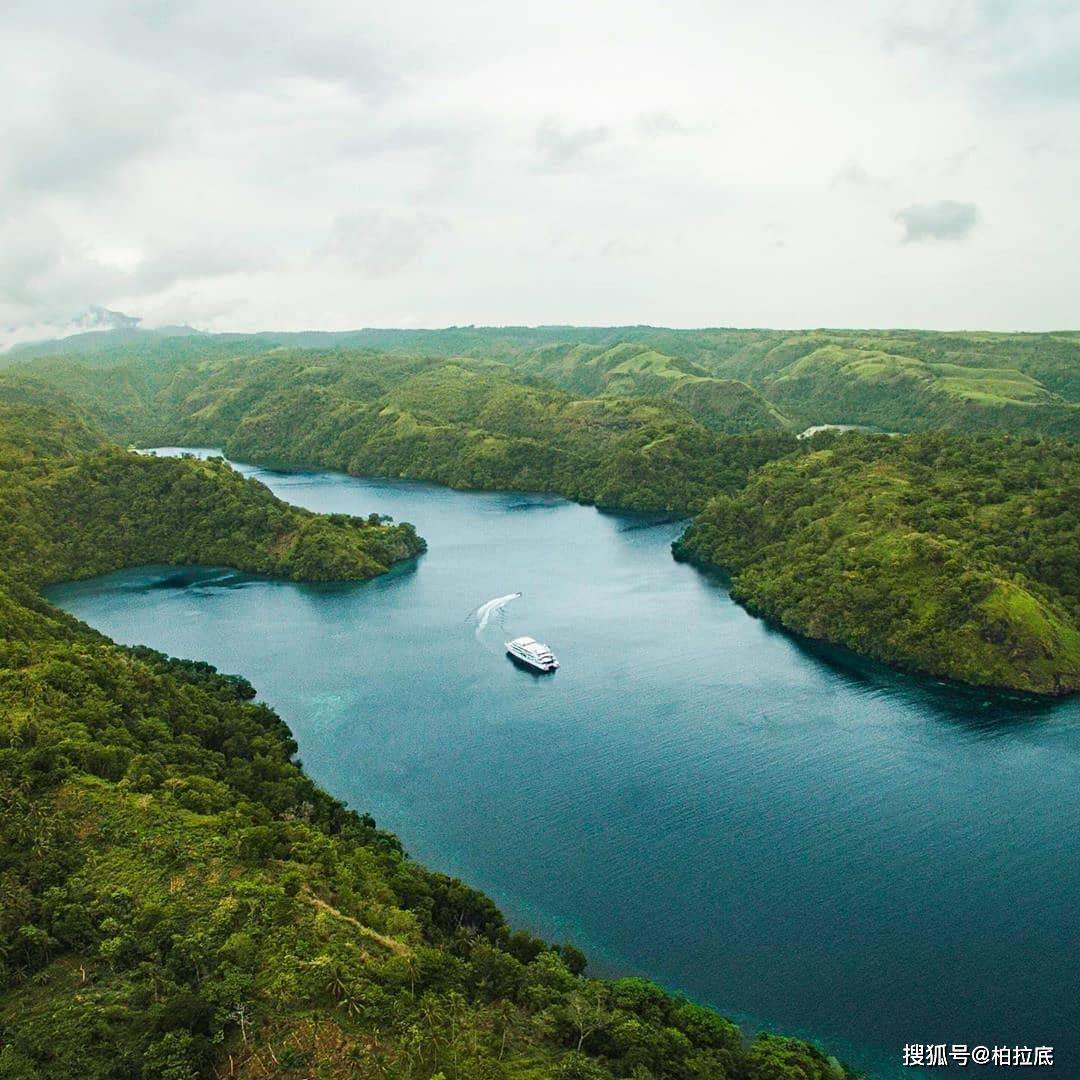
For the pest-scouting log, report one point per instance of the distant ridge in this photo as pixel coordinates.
(729, 379)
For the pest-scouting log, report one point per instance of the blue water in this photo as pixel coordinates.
(804, 840)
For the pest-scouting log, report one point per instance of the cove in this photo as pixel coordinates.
(839, 851)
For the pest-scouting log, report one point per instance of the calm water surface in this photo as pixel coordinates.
(838, 850)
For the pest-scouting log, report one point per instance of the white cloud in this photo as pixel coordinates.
(660, 123)
(239, 165)
(618, 248)
(855, 175)
(944, 220)
(559, 147)
(381, 243)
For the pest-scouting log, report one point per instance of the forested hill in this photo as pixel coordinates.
(465, 423)
(898, 380)
(73, 505)
(957, 556)
(180, 901)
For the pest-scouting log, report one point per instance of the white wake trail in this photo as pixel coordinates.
(485, 611)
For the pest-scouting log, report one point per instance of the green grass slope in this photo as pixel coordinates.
(835, 383)
(481, 428)
(630, 369)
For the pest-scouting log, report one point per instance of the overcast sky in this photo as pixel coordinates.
(265, 164)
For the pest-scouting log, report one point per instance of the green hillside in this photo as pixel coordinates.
(948, 555)
(467, 423)
(629, 369)
(481, 429)
(904, 393)
(74, 506)
(181, 902)
(1016, 382)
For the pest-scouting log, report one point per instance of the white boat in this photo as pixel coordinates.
(530, 651)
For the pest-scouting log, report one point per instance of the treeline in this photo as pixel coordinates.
(956, 556)
(180, 901)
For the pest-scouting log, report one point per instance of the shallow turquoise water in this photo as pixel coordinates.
(838, 850)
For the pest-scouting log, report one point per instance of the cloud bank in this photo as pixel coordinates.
(242, 165)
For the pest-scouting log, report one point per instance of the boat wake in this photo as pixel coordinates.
(491, 609)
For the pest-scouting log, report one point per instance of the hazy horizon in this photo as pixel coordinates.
(65, 333)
